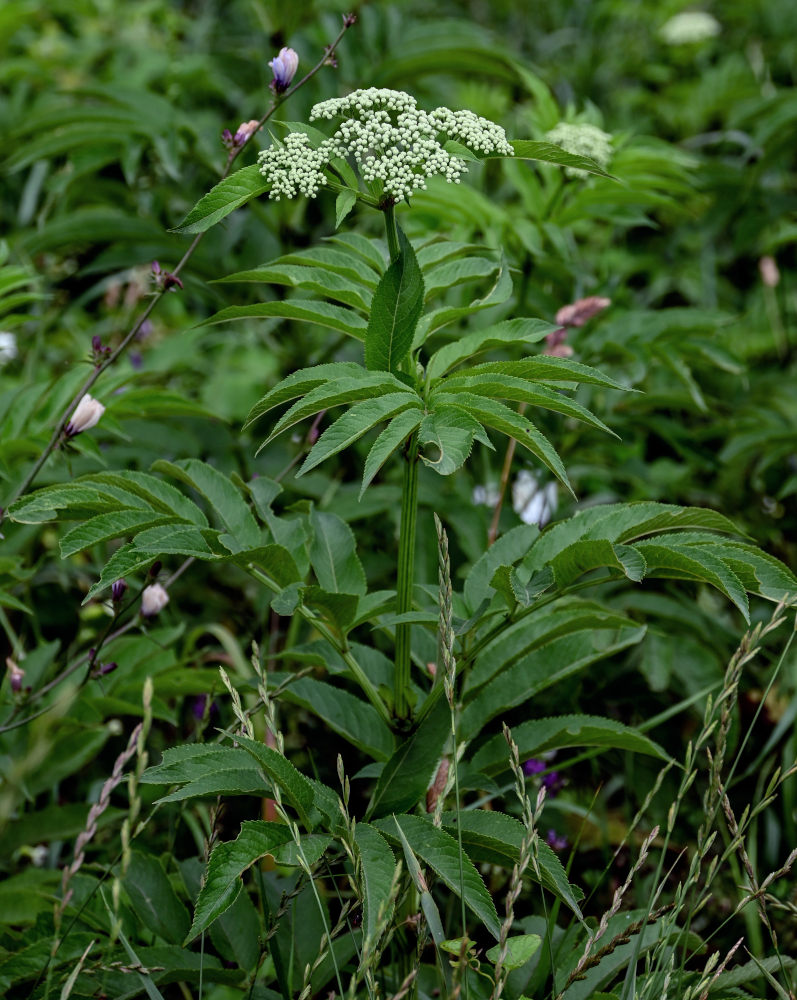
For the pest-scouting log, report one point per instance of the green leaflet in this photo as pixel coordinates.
(408, 773)
(354, 719)
(511, 331)
(310, 310)
(519, 950)
(153, 899)
(395, 310)
(354, 423)
(299, 383)
(313, 278)
(352, 389)
(549, 152)
(391, 438)
(229, 194)
(333, 555)
(520, 390)
(378, 866)
(297, 790)
(450, 273)
(540, 735)
(541, 669)
(494, 838)
(438, 849)
(106, 526)
(228, 861)
(438, 318)
(514, 425)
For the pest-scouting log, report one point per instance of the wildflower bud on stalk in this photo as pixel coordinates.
(770, 274)
(118, 589)
(578, 312)
(16, 675)
(86, 415)
(164, 280)
(153, 600)
(284, 68)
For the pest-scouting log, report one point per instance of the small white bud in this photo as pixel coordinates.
(153, 600)
(87, 413)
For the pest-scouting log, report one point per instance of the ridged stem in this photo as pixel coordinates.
(405, 579)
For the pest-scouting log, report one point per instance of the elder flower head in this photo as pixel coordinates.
(87, 413)
(690, 26)
(284, 68)
(392, 142)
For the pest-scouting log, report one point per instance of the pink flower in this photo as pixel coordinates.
(577, 313)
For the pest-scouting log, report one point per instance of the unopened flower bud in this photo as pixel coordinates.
(770, 274)
(15, 675)
(105, 668)
(118, 589)
(153, 600)
(86, 415)
(556, 345)
(155, 568)
(245, 130)
(284, 68)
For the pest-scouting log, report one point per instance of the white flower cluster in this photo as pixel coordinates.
(8, 347)
(294, 167)
(582, 140)
(389, 138)
(690, 26)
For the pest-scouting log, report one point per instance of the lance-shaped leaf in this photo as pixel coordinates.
(333, 554)
(451, 273)
(494, 838)
(377, 866)
(511, 331)
(313, 278)
(392, 437)
(229, 194)
(520, 390)
(366, 385)
(106, 526)
(228, 862)
(682, 562)
(588, 554)
(342, 262)
(439, 850)
(438, 318)
(543, 368)
(494, 414)
(563, 732)
(310, 310)
(549, 152)
(296, 789)
(356, 422)
(395, 311)
(301, 382)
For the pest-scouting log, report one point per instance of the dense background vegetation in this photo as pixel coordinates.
(113, 115)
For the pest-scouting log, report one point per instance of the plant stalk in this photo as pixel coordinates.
(392, 231)
(405, 579)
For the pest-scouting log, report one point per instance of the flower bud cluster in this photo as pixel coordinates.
(582, 140)
(690, 26)
(389, 138)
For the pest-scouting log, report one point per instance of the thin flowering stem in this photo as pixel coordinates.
(58, 430)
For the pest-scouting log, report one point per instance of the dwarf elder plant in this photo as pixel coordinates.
(427, 381)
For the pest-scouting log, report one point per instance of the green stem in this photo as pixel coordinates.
(392, 232)
(405, 579)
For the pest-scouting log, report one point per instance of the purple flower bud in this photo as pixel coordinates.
(534, 766)
(15, 675)
(106, 668)
(284, 68)
(553, 840)
(96, 343)
(118, 589)
(155, 568)
(156, 269)
(226, 138)
(245, 130)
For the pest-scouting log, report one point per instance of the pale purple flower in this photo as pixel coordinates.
(15, 675)
(770, 274)
(87, 413)
(284, 68)
(534, 766)
(118, 588)
(577, 313)
(554, 840)
(154, 599)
